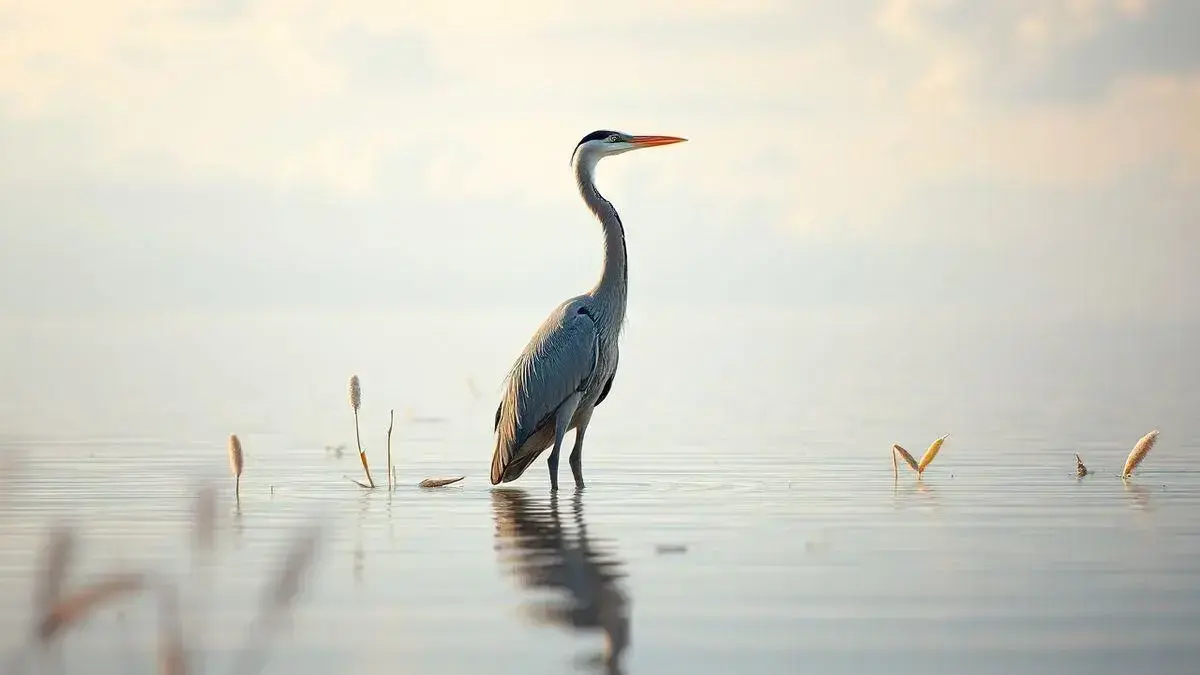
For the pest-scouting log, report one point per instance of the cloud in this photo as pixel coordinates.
(300, 134)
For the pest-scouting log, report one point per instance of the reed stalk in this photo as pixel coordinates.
(390, 467)
(235, 465)
(355, 403)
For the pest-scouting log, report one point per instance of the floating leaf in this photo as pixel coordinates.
(439, 482)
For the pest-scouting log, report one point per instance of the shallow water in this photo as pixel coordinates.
(741, 512)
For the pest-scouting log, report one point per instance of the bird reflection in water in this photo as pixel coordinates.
(546, 555)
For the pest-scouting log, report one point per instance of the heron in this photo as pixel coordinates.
(567, 367)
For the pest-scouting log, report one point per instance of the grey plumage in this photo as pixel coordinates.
(568, 366)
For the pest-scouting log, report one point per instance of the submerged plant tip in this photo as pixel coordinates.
(1139, 452)
(355, 393)
(1080, 469)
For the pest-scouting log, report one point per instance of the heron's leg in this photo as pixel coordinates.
(562, 422)
(576, 458)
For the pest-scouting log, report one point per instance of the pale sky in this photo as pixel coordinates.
(158, 156)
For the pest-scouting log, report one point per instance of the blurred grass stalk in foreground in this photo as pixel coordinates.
(58, 606)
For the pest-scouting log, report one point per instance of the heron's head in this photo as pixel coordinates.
(604, 143)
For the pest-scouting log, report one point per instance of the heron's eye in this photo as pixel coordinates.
(614, 138)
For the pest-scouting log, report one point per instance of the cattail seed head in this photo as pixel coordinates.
(1139, 452)
(235, 456)
(355, 393)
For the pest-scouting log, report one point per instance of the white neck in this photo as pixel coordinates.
(610, 291)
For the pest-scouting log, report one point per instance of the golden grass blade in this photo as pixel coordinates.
(932, 452)
(71, 608)
(439, 482)
(1080, 469)
(907, 457)
(1139, 452)
(362, 456)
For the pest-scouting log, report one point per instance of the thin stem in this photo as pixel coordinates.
(357, 440)
(362, 455)
(391, 469)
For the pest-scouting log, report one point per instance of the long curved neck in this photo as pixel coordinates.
(612, 287)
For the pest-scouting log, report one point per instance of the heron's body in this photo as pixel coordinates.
(568, 367)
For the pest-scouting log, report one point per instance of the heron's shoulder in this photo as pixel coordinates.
(567, 313)
(576, 305)
(566, 324)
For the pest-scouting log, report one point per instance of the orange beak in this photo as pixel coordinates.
(651, 141)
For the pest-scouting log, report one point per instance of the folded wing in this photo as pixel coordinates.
(559, 360)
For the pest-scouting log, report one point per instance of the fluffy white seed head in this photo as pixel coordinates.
(355, 393)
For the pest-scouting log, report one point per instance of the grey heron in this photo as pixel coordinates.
(567, 367)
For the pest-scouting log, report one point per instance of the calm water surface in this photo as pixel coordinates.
(741, 514)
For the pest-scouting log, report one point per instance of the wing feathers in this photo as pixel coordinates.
(559, 360)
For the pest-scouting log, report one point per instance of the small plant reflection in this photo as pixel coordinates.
(546, 555)
(1139, 496)
(909, 494)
